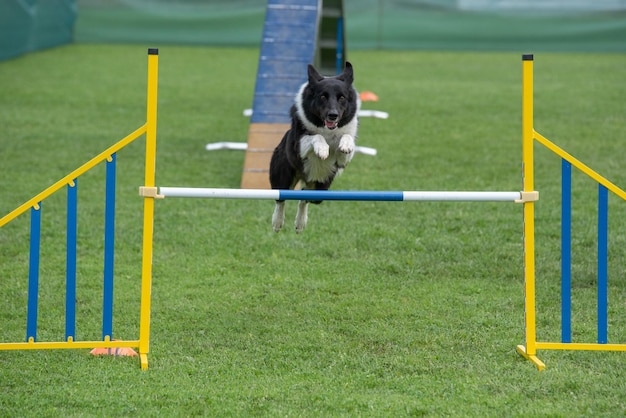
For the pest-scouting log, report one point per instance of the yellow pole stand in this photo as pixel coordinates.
(108, 346)
(148, 208)
(530, 350)
(529, 136)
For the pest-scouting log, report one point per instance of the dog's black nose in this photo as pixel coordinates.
(332, 116)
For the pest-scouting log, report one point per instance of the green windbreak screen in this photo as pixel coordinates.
(29, 25)
(510, 25)
(185, 22)
(514, 25)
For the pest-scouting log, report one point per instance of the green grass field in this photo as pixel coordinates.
(377, 309)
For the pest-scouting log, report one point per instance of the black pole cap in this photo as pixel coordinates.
(153, 51)
(527, 57)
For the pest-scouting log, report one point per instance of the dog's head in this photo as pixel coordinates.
(330, 102)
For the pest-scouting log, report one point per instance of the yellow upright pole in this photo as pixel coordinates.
(148, 207)
(530, 350)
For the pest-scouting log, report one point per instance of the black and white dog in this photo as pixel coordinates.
(321, 141)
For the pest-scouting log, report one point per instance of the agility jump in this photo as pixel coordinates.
(71, 183)
(529, 136)
(150, 192)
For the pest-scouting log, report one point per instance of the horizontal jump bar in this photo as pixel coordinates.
(387, 196)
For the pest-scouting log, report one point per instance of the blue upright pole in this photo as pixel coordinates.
(70, 261)
(33, 272)
(109, 245)
(339, 58)
(603, 258)
(566, 251)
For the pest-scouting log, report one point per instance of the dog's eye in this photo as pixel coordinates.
(323, 97)
(342, 99)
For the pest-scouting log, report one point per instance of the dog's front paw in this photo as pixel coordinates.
(346, 144)
(321, 149)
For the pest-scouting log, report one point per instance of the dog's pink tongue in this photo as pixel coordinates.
(330, 125)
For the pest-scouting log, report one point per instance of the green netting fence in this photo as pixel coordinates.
(496, 25)
(29, 25)
(514, 25)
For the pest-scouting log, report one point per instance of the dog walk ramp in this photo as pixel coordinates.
(291, 40)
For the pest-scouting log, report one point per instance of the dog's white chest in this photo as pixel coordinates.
(323, 157)
(316, 169)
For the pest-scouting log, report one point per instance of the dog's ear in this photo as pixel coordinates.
(348, 74)
(314, 76)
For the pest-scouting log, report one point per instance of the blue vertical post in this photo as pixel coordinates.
(566, 251)
(109, 244)
(33, 272)
(603, 258)
(70, 261)
(339, 56)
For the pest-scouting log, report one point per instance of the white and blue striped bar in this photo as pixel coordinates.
(387, 196)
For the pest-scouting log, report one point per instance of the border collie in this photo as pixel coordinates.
(320, 142)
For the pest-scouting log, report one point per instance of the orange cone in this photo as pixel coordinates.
(368, 96)
(119, 351)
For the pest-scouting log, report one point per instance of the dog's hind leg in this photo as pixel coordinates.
(278, 218)
(301, 216)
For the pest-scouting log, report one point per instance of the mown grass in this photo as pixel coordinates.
(377, 309)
